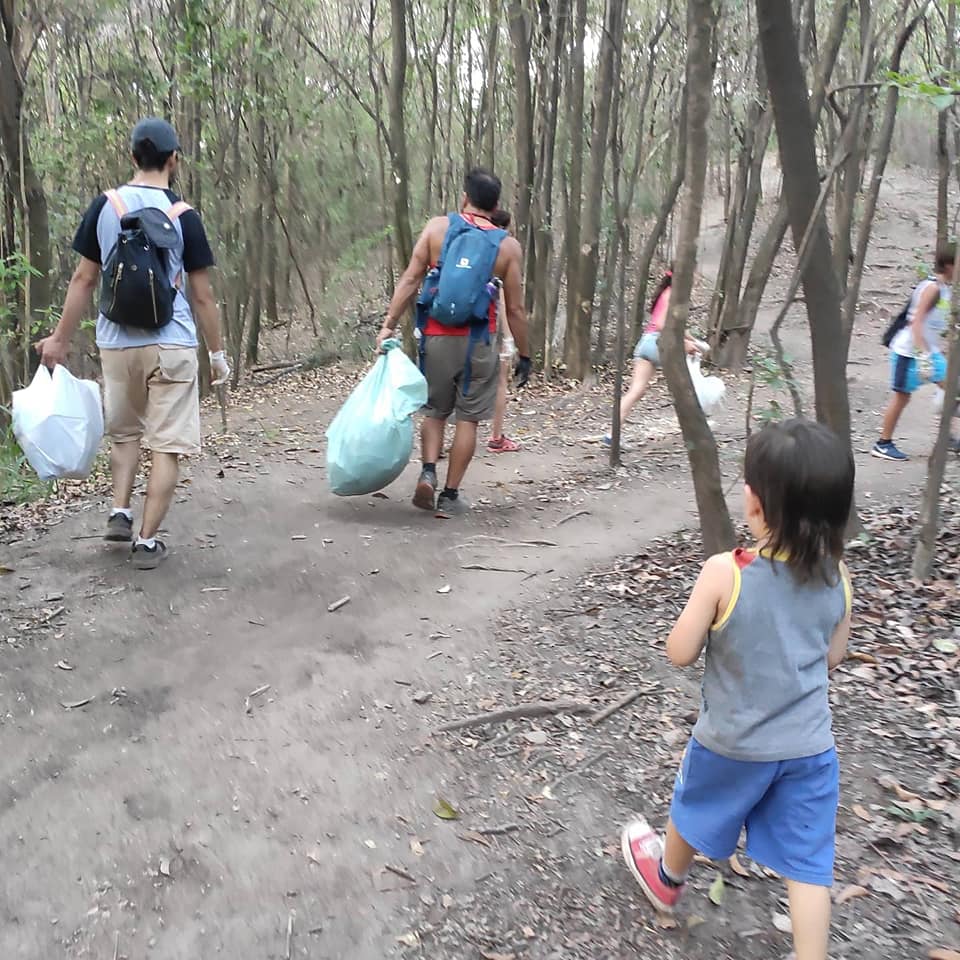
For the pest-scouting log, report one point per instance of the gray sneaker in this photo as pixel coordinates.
(425, 496)
(448, 507)
(148, 558)
(119, 528)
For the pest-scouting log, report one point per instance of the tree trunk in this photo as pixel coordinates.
(543, 218)
(398, 132)
(487, 120)
(735, 340)
(930, 505)
(715, 524)
(28, 190)
(801, 184)
(656, 233)
(575, 179)
(881, 153)
(608, 68)
(520, 32)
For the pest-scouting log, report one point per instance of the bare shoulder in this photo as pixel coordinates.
(720, 565)
(511, 248)
(436, 226)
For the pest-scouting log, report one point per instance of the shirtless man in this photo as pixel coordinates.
(461, 364)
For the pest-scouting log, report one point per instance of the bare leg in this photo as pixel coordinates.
(431, 438)
(164, 471)
(810, 916)
(461, 453)
(124, 460)
(643, 372)
(677, 853)
(500, 410)
(891, 417)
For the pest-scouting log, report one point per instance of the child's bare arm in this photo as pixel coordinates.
(838, 643)
(709, 598)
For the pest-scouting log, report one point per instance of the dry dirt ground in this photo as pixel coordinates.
(205, 761)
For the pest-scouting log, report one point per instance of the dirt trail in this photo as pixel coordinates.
(170, 814)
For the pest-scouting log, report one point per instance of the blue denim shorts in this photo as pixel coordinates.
(648, 349)
(789, 809)
(905, 372)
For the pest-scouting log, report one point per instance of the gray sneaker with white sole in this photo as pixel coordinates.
(450, 507)
(148, 558)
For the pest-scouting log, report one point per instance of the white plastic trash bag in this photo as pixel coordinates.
(58, 421)
(371, 438)
(710, 390)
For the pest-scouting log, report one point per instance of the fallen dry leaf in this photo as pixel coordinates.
(782, 922)
(851, 892)
(737, 867)
(862, 813)
(444, 811)
(410, 939)
(717, 889)
(942, 953)
(487, 955)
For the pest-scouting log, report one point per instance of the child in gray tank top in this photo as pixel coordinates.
(774, 620)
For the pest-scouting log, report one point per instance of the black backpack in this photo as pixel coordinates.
(896, 324)
(900, 320)
(135, 288)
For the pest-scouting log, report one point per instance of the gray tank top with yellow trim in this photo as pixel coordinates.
(765, 682)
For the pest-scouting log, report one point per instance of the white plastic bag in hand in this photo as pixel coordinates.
(710, 390)
(58, 421)
(938, 395)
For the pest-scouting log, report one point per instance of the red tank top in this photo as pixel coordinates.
(435, 329)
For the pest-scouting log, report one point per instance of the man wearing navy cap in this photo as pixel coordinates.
(150, 376)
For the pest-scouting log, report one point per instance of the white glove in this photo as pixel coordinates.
(219, 368)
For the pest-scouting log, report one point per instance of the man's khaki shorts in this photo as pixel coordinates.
(151, 393)
(445, 362)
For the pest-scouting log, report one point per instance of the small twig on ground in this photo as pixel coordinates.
(400, 872)
(523, 711)
(53, 615)
(221, 389)
(579, 768)
(89, 536)
(116, 945)
(334, 607)
(281, 365)
(499, 831)
(277, 376)
(289, 953)
(481, 566)
(618, 705)
(500, 542)
(247, 705)
(573, 516)
(76, 704)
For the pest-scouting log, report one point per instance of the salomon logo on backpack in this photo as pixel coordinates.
(135, 289)
(459, 292)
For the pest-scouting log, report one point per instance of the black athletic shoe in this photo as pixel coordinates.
(119, 529)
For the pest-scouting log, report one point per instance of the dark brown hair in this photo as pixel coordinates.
(946, 256)
(803, 475)
(666, 281)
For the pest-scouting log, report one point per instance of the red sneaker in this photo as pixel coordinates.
(503, 445)
(642, 850)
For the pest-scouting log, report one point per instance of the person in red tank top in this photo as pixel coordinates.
(446, 350)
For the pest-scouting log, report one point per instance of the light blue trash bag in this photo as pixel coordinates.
(371, 438)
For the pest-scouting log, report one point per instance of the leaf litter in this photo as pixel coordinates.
(601, 636)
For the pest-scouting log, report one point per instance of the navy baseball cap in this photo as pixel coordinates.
(158, 132)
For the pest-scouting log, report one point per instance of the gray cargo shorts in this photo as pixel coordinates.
(444, 366)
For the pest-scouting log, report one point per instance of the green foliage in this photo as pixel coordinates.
(18, 482)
